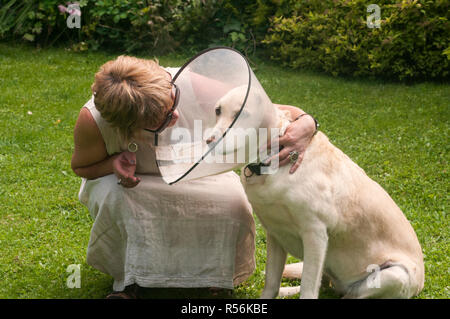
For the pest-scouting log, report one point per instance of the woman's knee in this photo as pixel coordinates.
(105, 188)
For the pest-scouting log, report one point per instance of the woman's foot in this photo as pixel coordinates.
(130, 292)
(216, 292)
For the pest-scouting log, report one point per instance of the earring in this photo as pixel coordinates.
(132, 147)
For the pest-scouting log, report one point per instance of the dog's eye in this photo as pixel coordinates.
(218, 110)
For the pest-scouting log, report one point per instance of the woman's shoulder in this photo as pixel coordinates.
(92, 116)
(172, 70)
(86, 125)
(92, 126)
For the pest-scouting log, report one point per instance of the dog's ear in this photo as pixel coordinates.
(259, 98)
(256, 96)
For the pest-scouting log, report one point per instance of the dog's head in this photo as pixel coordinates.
(228, 108)
(243, 138)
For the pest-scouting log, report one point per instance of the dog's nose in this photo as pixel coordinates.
(210, 139)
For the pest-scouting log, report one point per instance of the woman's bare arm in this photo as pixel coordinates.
(90, 158)
(294, 111)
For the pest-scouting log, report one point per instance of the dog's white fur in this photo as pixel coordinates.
(332, 216)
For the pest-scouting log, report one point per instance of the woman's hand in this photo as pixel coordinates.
(296, 138)
(124, 167)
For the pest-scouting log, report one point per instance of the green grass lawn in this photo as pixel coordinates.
(398, 133)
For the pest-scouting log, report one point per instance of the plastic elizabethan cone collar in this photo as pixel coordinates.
(221, 104)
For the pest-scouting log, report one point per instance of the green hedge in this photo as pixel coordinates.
(327, 35)
(333, 36)
(126, 25)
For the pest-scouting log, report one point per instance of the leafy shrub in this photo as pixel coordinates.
(33, 21)
(333, 36)
(158, 25)
(327, 35)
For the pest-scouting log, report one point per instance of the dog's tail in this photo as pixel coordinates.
(291, 271)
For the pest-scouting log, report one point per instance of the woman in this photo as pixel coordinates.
(147, 233)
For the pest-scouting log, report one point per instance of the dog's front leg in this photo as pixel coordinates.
(315, 244)
(276, 258)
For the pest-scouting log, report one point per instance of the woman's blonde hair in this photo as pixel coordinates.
(132, 93)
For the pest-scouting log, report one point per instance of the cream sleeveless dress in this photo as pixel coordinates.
(198, 233)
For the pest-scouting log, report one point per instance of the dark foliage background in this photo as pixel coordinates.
(326, 35)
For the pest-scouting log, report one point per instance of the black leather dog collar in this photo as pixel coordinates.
(255, 168)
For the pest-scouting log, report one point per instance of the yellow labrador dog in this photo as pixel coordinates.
(332, 216)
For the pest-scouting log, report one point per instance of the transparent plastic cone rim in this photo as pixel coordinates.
(221, 107)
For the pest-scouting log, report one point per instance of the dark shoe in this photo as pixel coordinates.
(130, 292)
(220, 292)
